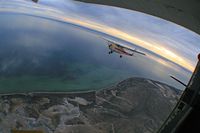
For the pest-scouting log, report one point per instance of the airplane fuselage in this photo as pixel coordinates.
(120, 50)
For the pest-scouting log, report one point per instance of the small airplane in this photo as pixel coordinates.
(122, 50)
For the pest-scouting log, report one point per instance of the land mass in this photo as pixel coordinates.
(135, 105)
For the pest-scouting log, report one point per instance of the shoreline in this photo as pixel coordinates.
(60, 92)
(45, 93)
(77, 92)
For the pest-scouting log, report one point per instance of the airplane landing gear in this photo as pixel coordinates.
(120, 56)
(110, 52)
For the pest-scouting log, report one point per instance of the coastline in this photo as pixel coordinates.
(109, 87)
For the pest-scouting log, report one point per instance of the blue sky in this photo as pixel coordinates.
(162, 37)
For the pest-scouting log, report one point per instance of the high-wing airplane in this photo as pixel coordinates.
(122, 50)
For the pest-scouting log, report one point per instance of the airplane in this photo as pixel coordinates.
(122, 50)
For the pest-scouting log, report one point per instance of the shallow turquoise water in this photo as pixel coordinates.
(93, 80)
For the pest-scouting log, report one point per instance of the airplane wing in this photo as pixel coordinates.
(108, 40)
(138, 52)
(35, 1)
(135, 51)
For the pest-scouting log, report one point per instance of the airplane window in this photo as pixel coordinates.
(73, 67)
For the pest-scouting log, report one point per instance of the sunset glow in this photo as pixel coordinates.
(154, 47)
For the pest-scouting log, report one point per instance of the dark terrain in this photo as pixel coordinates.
(135, 105)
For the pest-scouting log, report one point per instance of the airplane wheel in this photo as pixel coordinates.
(120, 56)
(111, 51)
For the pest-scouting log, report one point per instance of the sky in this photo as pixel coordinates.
(162, 37)
(167, 39)
(44, 55)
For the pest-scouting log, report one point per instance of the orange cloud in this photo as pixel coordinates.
(154, 47)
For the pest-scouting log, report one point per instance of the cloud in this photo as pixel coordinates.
(162, 37)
